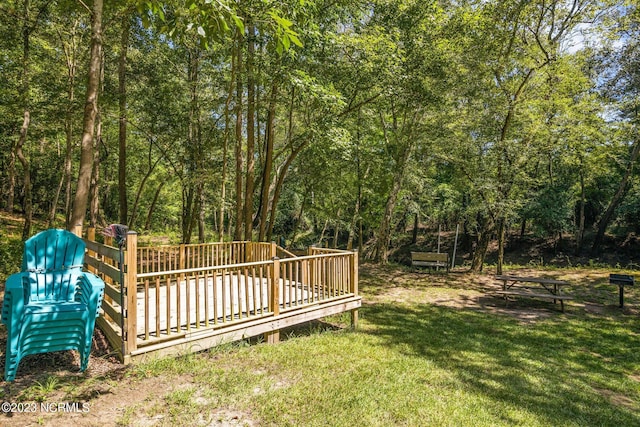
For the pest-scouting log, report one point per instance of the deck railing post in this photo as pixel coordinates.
(248, 251)
(91, 236)
(274, 250)
(130, 286)
(312, 270)
(274, 300)
(182, 256)
(354, 285)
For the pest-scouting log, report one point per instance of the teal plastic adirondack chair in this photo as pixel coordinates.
(52, 304)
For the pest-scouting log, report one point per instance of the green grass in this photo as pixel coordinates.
(415, 363)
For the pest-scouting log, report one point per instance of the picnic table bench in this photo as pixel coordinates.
(430, 259)
(552, 288)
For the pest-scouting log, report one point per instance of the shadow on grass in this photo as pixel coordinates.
(565, 371)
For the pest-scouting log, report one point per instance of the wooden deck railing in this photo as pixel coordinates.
(155, 294)
(179, 301)
(110, 263)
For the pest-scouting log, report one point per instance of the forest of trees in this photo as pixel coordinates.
(346, 121)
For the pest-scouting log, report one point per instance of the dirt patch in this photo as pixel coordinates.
(226, 417)
(459, 289)
(617, 398)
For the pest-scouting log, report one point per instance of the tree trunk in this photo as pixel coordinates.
(201, 215)
(501, 236)
(147, 224)
(239, 208)
(294, 233)
(193, 183)
(336, 231)
(282, 171)
(416, 222)
(324, 230)
(65, 178)
(383, 239)
(187, 214)
(122, 129)
(617, 198)
(90, 112)
(143, 183)
(225, 146)
(484, 237)
(251, 134)
(11, 178)
(223, 179)
(94, 205)
(68, 172)
(279, 185)
(28, 207)
(268, 163)
(581, 218)
(26, 99)
(359, 177)
(354, 221)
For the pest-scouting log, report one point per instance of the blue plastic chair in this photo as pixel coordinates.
(52, 304)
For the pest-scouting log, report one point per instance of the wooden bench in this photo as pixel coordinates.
(553, 293)
(555, 298)
(430, 259)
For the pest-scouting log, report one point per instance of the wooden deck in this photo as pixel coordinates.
(172, 299)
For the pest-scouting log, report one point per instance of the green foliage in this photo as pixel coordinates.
(461, 112)
(10, 254)
(551, 210)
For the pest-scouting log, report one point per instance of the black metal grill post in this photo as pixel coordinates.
(621, 280)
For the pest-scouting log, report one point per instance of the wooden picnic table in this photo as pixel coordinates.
(521, 286)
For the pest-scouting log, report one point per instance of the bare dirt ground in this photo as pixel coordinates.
(109, 393)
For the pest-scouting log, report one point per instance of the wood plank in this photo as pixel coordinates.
(533, 295)
(112, 292)
(429, 263)
(105, 268)
(112, 335)
(131, 287)
(168, 303)
(208, 338)
(112, 312)
(107, 251)
(429, 256)
(532, 280)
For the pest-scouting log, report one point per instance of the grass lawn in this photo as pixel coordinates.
(431, 349)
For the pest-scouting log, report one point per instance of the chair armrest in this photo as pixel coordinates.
(91, 291)
(13, 304)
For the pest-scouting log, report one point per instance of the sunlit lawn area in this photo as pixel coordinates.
(431, 349)
(418, 363)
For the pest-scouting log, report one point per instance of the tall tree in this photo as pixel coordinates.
(90, 113)
(122, 129)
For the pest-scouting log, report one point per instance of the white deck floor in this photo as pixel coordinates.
(231, 297)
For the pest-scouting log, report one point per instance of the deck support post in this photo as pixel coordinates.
(354, 285)
(274, 300)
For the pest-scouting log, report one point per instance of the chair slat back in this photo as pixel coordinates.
(54, 260)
